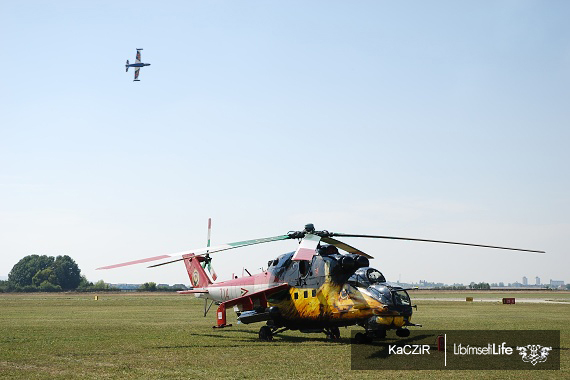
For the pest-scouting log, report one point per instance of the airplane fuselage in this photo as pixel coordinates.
(137, 64)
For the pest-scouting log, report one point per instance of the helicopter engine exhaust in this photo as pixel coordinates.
(352, 262)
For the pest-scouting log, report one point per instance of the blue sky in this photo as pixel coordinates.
(443, 120)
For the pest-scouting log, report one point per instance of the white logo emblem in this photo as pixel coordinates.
(534, 353)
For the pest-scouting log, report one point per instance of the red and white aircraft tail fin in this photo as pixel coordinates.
(199, 268)
(199, 277)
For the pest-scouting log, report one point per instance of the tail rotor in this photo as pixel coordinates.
(207, 264)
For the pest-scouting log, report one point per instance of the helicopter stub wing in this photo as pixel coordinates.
(345, 247)
(307, 247)
(261, 294)
(247, 302)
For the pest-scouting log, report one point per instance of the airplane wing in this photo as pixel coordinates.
(137, 69)
(138, 60)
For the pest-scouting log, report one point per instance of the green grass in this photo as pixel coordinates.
(158, 336)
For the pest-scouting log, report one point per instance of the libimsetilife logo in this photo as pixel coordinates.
(489, 349)
(534, 353)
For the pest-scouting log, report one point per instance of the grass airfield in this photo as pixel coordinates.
(163, 335)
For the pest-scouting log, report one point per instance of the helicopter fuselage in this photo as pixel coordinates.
(331, 290)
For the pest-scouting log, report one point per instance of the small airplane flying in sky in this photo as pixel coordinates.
(137, 65)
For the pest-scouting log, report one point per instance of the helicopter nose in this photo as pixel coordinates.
(381, 293)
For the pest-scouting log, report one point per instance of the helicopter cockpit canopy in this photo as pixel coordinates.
(364, 277)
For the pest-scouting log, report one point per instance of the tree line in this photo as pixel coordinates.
(42, 273)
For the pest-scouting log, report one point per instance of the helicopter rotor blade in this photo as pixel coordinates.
(307, 247)
(434, 241)
(344, 247)
(219, 248)
(140, 261)
(174, 257)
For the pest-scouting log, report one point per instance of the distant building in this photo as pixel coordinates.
(525, 281)
(537, 280)
(556, 284)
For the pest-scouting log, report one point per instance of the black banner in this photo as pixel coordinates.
(461, 350)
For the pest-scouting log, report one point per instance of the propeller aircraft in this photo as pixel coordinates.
(137, 65)
(315, 288)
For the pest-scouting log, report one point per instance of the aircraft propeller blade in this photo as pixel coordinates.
(307, 247)
(433, 241)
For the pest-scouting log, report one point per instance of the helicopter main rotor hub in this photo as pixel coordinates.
(309, 229)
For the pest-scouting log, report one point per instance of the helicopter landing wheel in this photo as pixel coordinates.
(361, 338)
(378, 334)
(333, 333)
(403, 333)
(265, 334)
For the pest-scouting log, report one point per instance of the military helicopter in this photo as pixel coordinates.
(315, 288)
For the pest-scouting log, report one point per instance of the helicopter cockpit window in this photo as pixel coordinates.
(364, 277)
(381, 293)
(374, 276)
(401, 297)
